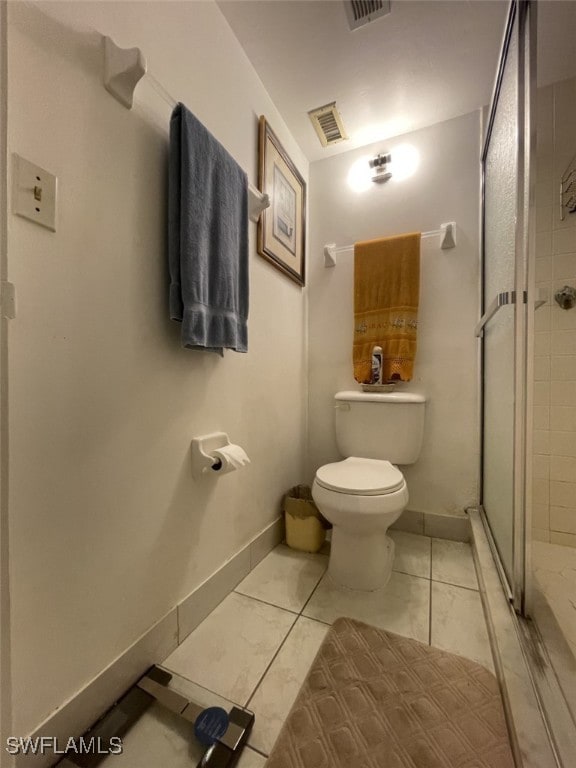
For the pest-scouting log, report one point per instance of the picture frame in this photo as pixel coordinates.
(282, 226)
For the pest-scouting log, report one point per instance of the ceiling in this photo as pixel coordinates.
(427, 61)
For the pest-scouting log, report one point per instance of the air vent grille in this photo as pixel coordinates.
(328, 124)
(361, 12)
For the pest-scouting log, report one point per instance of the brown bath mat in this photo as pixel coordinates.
(377, 700)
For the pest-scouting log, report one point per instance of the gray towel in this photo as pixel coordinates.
(207, 238)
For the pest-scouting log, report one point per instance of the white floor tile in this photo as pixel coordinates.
(458, 623)
(158, 738)
(250, 759)
(229, 652)
(555, 575)
(285, 578)
(452, 562)
(412, 553)
(279, 688)
(402, 607)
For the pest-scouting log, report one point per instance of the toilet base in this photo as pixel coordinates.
(361, 562)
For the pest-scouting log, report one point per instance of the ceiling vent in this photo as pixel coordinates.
(361, 12)
(328, 124)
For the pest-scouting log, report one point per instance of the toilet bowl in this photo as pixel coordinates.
(363, 494)
(361, 498)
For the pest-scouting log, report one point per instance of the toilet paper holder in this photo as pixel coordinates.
(204, 461)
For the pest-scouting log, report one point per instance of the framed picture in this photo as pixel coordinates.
(282, 226)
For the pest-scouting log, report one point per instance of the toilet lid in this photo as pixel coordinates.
(360, 477)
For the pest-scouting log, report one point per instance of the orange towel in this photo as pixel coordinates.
(386, 291)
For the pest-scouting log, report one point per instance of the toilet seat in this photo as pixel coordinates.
(360, 477)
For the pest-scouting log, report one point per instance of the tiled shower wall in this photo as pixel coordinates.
(554, 517)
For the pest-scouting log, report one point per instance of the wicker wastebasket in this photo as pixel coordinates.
(305, 526)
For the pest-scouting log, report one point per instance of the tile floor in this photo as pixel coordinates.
(555, 574)
(256, 647)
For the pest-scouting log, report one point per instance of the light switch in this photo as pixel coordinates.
(34, 193)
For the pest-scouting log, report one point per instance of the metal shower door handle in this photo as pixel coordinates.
(501, 300)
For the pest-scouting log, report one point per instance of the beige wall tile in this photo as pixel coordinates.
(562, 418)
(544, 218)
(544, 239)
(563, 519)
(563, 393)
(564, 240)
(542, 320)
(545, 165)
(554, 437)
(562, 368)
(562, 494)
(545, 193)
(563, 146)
(540, 491)
(541, 467)
(410, 521)
(541, 534)
(541, 417)
(542, 342)
(563, 468)
(542, 393)
(566, 539)
(563, 265)
(564, 103)
(541, 516)
(541, 441)
(562, 443)
(562, 319)
(545, 108)
(543, 269)
(563, 342)
(557, 221)
(542, 368)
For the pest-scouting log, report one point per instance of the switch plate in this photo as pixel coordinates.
(34, 193)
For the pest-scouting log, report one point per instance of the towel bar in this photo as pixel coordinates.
(447, 233)
(123, 69)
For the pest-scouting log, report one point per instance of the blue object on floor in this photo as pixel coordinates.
(211, 724)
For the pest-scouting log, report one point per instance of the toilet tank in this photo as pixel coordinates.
(380, 425)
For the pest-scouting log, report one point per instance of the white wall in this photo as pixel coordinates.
(108, 529)
(444, 188)
(554, 469)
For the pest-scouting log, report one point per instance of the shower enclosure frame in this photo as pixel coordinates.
(558, 723)
(5, 640)
(521, 25)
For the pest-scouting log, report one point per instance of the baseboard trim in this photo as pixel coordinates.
(439, 526)
(91, 702)
(85, 707)
(202, 601)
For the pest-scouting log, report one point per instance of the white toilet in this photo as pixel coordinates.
(365, 493)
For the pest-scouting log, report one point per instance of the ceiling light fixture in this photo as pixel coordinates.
(380, 167)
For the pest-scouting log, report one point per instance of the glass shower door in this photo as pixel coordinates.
(503, 323)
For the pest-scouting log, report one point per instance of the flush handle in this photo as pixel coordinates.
(342, 406)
